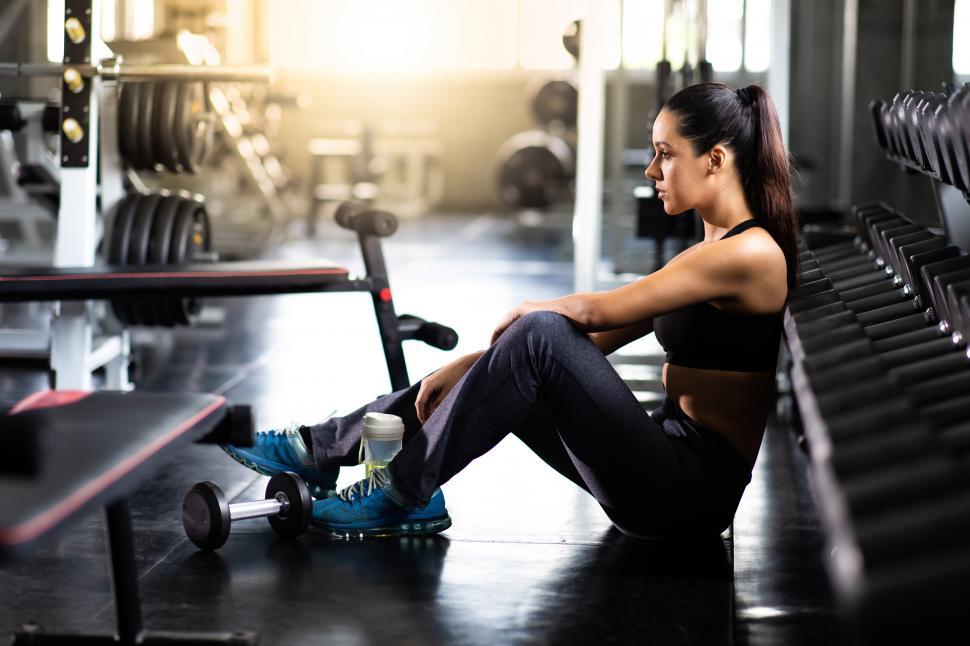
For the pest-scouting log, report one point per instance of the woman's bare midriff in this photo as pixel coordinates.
(735, 404)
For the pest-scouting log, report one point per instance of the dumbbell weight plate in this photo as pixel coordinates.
(166, 101)
(205, 516)
(166, 310)
(958, 109)
(297, 518)
(146, 104)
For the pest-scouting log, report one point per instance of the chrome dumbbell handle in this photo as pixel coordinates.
(278, 506)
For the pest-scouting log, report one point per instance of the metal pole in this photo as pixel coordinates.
(588, 214)
(160, 72)
(908, 54)
(779, 69)
(850, 38)
(124, 574)
(618, 142)
(71, 335)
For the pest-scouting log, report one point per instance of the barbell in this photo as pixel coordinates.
(115, 69)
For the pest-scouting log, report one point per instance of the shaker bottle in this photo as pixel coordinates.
(380, 440)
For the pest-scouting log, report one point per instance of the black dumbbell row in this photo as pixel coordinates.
(876, 328)
(164, 125)
(928, 131)
(158, 229)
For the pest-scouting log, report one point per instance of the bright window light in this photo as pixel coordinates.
(724, 48)
(961, 37)
(55, 30)
(108, 19)
(142, 24)
(390, 35)
(544, 21)
(642, 33)
(757, 35)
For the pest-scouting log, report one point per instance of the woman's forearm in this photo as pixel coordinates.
(578, 308)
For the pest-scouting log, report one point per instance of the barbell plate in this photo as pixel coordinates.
(180, 249)
(121, 230)
(118, 248)
(126, 128)
(166, 309)
(141, 231)
(297, 518)
(556, 101)
(146, 103)
(190, 126)
(166, 99)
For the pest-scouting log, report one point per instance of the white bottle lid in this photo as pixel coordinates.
(381, 426)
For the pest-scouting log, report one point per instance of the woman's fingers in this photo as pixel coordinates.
(426, 401)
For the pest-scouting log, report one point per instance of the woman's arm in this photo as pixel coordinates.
(742, 268)
(610, 341)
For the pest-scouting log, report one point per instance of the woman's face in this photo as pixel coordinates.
(682, 177)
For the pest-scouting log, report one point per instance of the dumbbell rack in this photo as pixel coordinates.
(876, 331)
(928, 133)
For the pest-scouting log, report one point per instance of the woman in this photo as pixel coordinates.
(716, 309)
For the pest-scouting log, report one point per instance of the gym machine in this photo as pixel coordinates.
(536, 167)
(876, 332)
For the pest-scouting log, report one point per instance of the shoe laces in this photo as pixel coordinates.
(377, 479)
(274, 434)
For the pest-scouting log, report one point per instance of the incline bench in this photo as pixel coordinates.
(69, 452)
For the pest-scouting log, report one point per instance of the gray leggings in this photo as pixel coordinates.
(658, 474)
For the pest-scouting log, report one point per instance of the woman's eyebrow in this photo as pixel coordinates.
(660, 143)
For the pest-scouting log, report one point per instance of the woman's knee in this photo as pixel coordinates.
(543, 322)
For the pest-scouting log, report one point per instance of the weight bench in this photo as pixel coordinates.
(73, 451)
(153, 288)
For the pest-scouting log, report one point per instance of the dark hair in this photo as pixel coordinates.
(745, 121)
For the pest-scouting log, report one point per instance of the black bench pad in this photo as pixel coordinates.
(203, 279)
(100, 445)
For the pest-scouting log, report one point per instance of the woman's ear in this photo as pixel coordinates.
(717, 159)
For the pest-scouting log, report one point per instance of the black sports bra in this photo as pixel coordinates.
(703, 336)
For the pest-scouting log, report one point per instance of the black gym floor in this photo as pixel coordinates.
(530, 558)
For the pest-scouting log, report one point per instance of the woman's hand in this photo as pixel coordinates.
(515, 314)
(436, 386)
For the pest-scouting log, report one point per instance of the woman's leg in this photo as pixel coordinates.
(646, 480)
(336, 441)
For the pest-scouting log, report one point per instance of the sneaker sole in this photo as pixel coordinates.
(411, 528)
(316, 490)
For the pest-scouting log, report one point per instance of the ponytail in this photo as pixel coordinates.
(745, 120)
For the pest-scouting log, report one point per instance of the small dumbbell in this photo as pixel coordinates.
(207, 514)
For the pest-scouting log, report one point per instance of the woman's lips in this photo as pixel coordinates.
(661, 194)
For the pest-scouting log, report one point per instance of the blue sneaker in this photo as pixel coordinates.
(367, 509)
(277, 451)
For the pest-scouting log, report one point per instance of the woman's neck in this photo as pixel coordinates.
(726, 210)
